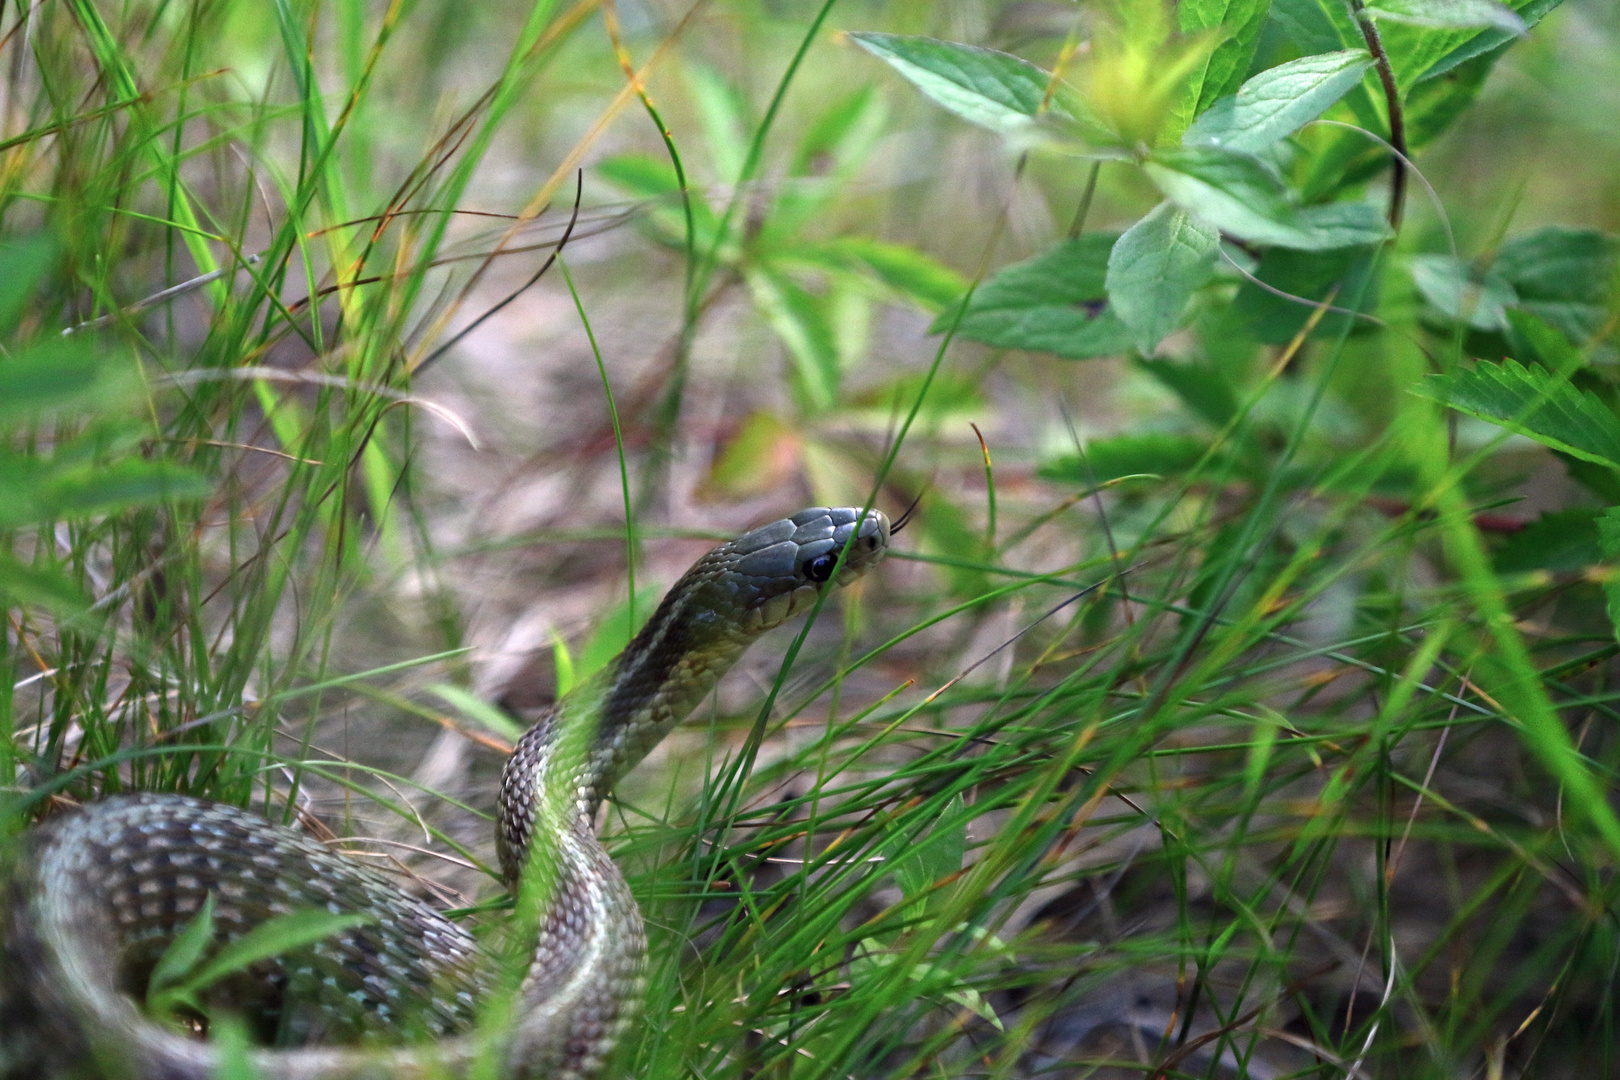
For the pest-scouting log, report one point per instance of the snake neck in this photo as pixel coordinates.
(577, 749)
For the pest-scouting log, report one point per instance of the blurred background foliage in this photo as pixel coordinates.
(1238, 703)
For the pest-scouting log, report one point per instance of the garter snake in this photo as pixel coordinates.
(93, 897)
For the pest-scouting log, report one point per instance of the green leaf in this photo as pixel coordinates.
(43, 586)
(1563, 276)
(273, 937)
(934, 856)
(103, 489)
(1278, 102)
(919, 278)
(1239, 195)
(1535, 403)
(1056, 302)
(994, 90)
(1448, 14)
(1533, 338)
(1487, 41)
(1240, 23)
(1312, 276)
(56, 373)
(725, 125)
(1562, 541)
(1460, 291)
(614, 632)
(184, 951)
(482, 712)
(1154, 453)
(1201, 387)
(800, 320)
(22, 263)
(1608, 528)
(1153, 270)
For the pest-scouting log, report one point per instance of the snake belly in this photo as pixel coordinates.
(90, 899)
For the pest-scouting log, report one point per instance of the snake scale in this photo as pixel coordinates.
(93, 897)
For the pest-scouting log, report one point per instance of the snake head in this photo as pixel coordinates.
(775, 571)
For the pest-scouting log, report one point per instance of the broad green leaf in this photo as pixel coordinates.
(1447, 14)
(56, 373)
(1486, 41)
(103, 489)
(1461, 292)
(1200, 386)
(22, 263)
(1278, 102)
(800, 320)
(1239, 195)
(1533, 402)
(1239, 23)
(1563, 276)
(1309, 276)
(1608, 528)
(1153, 270)
(1154, 453)
(994, 90)
(1056, 302)
(43, 586)
(1563, 541)
(874, 956)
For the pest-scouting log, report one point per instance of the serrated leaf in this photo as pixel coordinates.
(1533, 402)
(1153, 270)
(1239, 195)
(1459, 290)
(104, 489)
(1056, 302)
(994, 90)
(1278, 102)
(1154, 453)
(1450, 14)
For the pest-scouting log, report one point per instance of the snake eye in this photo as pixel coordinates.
(820, 568)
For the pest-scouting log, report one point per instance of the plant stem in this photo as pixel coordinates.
(1392, 100)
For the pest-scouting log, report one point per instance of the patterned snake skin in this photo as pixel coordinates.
(92, 898)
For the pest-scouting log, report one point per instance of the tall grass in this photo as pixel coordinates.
(1274, 766)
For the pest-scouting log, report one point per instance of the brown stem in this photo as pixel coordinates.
(1397, 119)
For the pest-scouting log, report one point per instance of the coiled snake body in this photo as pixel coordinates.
(94, 897)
